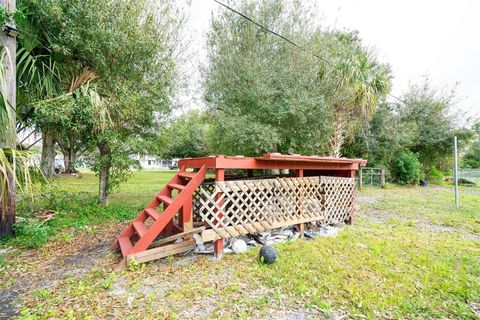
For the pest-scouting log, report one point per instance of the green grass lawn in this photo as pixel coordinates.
(410, 254)
(139, 189)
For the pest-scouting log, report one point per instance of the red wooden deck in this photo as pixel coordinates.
(303, 165)
(134, 242)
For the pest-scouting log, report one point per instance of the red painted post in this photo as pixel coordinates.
(169, 230)
(301, 226)
(186, 215)
(349, 221)
(218, 244)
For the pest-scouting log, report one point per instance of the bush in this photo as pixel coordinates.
(31, 234)
(434, 175)
(407, 168)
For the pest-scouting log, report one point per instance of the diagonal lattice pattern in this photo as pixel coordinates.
(251, 206)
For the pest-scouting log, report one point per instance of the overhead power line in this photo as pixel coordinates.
(287, 40)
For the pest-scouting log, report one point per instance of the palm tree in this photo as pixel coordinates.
(13, 163)
(361, 83)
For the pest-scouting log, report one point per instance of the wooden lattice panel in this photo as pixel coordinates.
(240, 207)
(339, 197)
(197, 205)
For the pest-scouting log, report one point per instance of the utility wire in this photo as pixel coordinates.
(286, 39)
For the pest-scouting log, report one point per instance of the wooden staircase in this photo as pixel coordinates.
(165, 219)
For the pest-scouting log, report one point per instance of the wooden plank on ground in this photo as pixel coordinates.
(161, 252)
(177, 236)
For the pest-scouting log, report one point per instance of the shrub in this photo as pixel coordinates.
(434, 175)
(31, 234)
(407, 168)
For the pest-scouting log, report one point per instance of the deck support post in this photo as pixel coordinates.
(186, 216)
(351, 174)
(218, 244)
(169, 229)
(301, 226)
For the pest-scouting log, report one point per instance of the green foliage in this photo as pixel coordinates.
(286, 100)
(75, 205)
(109, 281)
(31, 234)
(134, 265)
(471, 158)
(116, 159)
(407, 168)
(431, 113)
(356, 85)
(241, 135)
(424, 124)
(13, 163)
(381, 139)
(76, 210)
(127, 49)
(12, 17)
(259, 87)
(186, 137)
(434, 175)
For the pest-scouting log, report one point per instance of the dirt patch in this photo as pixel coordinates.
(376, 216)
(364, 199)
(8, 298)
(46, 267)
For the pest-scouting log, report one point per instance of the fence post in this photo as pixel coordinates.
(382, 178)
(360, 179)
(455, 172)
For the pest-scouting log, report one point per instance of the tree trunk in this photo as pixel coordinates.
(69, 158)
(48, 153)
(8, 208)
(336, 140)
(8, 199)
(104, 173)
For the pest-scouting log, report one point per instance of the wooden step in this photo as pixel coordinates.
(154, 214)
(187, 175)
(176, 186)
(140, 228)
(165, 199)
(125, 245)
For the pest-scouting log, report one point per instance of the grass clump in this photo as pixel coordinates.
(76, 210)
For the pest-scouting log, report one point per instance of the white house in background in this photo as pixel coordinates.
(151, 162)
(30, 137)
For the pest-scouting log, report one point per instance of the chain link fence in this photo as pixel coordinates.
(370, 177)
(470, 177)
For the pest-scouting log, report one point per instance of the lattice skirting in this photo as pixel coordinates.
(240, 207)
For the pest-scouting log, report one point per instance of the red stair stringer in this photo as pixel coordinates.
(166, 216)
(130, 231)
